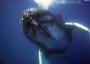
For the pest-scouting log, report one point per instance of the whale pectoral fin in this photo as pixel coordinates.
(72, 25)
(42, 57)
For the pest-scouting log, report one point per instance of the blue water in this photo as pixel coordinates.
(15, 48)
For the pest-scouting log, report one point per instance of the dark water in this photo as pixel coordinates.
(15, 48)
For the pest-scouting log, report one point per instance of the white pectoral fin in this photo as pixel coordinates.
(76, 25)
(42, 58)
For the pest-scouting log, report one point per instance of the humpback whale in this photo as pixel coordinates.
(48, 31)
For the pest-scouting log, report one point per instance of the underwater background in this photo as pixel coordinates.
(15, 48)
